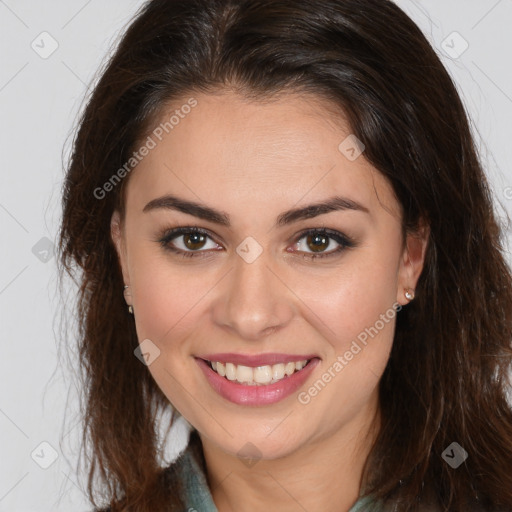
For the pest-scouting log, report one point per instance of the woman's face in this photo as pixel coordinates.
(245, 291)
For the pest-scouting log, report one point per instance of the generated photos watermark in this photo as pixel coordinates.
(150, 143)
(341, 361)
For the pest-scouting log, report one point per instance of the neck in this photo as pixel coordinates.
(325, 473)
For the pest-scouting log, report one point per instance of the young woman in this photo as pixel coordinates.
(284, 234)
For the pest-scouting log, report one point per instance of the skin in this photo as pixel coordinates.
(253, 161)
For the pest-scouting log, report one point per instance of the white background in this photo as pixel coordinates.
(39, 101)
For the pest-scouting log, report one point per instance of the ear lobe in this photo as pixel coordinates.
(413, 259)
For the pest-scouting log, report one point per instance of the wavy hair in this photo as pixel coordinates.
(449, 370)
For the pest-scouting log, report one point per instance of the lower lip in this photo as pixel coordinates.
(242, 394)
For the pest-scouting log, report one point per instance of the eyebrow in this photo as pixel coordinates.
(336, 203)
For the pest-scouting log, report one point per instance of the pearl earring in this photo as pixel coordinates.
(130, 307)
(409, 294)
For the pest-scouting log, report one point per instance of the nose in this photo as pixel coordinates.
(253, 300)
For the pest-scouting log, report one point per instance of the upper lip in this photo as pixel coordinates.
(256, 359)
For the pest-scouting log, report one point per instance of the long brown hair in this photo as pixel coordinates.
(448, 373)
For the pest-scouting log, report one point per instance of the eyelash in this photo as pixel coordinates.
(344, 241)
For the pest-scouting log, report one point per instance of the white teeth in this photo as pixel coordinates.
(263, 374)
(277, 371)
(260, 375)
(230, 371)
(289, 368)
(244, 374)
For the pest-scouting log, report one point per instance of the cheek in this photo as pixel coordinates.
(169, 305)
(353, 297)
(167, 298)
(356, 304)
(361, 319)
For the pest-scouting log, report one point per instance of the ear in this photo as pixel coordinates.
(412, 261)
(117, 235)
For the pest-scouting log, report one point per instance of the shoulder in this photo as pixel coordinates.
(175, 476)
(186, 475)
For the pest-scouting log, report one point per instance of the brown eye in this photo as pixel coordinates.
(188, 241)
(317, 242)
(194, 241)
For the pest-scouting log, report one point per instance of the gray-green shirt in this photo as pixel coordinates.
(198, 498)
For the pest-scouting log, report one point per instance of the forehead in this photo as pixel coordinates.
(231, 151)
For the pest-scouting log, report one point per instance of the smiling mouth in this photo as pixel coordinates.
(259, 375)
